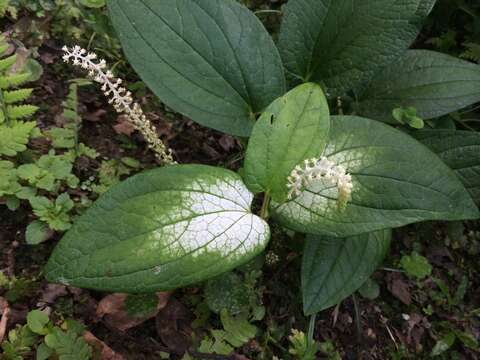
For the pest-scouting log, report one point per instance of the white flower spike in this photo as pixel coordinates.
(119, 97)
(320, 169)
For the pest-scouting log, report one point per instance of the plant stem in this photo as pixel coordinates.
(357, 318)
(265, 204)
(3, 108)
(311, 329)
(268, 12)
(461, 122)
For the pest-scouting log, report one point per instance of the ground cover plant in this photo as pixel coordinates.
(341, 124)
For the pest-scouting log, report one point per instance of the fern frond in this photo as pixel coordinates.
(11, 107)
(14, 139)
(14, 96)
(6, 64)
(16, 112)
(13, 80)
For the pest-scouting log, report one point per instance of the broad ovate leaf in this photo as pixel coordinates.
(212, 61)
(433, 83)
(333, 268)
(159, 230)
(425, 7)
(293, 128)
(460, 150)
(396, 181)
(342, 43)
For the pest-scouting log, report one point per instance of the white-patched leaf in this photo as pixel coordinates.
(396, 181)
(160, 230)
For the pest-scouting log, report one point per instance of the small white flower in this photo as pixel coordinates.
(320, 169)
(119, 97)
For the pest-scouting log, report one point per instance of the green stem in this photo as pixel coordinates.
(461, 122)
(311, 329)
(357, 318)
(4, 108)
(268, 12)
(265, 205)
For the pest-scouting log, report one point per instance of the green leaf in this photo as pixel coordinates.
(20, 111)
(43, 352)
(12, 203)
(55, 214)
(14, 96)
(334, 268)
(238, 330)
(68, 345)
(37, 321)
(14, 139)
(443, 344)
(370, 289)
(460, 150)
(343, 43)
(6, 64)
(391, 187)
(292, 129)
(467, 339)
(8, 178)
(416, 265)
(62, 138)
(160, 230)
(216, 345)
(425, 7)
(212, 61)
(433, 83)
(141, 305)
(37, 232)
(301, 347)
(93, 3)
(227, 292)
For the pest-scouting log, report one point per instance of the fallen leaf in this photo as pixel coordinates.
(51, 293)
(22, 56)
(173, 326)
(399, 288)
(123, 126)
(48, 58)
(105, 352)
(111, 308)
(94, 116)
(226, 142)
(5, 310)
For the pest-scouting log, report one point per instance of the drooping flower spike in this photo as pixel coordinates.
(320, 169)
(119, 97)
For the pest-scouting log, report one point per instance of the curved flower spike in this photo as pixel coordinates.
(119, 97)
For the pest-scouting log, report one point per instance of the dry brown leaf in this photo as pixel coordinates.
(173, 326)
(94, 116)
(226, 142)
(111, 308)
(105, 351)
(399, 288)
(123, 126)
(51, 293)
(48, 57)
(4, 309)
